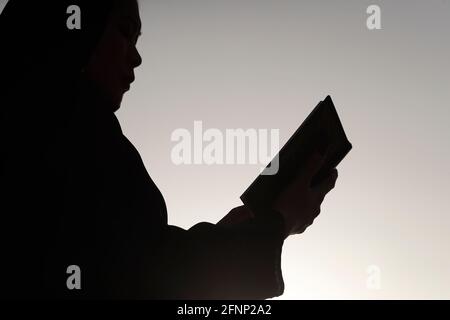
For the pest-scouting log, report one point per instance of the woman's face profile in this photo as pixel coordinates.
(111, 67)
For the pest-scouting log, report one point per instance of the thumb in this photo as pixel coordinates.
(327, 184)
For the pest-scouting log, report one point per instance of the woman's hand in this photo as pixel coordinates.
(236, 216)
(299, 203)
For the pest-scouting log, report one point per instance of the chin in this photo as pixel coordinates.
(116, 106)
(115, 102)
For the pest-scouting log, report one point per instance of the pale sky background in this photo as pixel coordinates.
(265, 64)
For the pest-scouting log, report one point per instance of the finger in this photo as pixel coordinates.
(327, 184)
(236, 215)
(312, 166)
(317, 161)
(303, 227)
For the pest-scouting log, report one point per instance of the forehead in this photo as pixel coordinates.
(128, 9)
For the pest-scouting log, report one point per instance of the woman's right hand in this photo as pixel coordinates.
(299, 203)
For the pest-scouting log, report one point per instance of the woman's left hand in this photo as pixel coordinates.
(236, 216)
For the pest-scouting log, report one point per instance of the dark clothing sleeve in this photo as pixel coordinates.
(213, 262)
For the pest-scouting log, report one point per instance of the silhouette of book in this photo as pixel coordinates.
(321, 131)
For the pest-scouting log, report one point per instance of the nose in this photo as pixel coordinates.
(136, 58)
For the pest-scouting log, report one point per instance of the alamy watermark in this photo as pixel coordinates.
(374, 19)
(74, 20)
(73, 281)
(234, 146)
(373, 280)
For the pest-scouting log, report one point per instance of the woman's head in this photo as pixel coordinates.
(48, 61)
(112, 63)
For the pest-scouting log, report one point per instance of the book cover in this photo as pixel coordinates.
(322, 131)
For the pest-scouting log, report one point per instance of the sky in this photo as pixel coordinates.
(384, 231)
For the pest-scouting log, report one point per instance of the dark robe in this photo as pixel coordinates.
(114, 226)
(74, 190)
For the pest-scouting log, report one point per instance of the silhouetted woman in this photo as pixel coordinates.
(74, 190)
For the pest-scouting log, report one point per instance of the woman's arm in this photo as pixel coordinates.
(221, 261)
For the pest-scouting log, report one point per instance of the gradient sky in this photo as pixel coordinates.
(266, 64)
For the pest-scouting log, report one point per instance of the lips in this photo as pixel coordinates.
(128, 80)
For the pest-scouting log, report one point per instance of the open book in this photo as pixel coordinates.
(321, 131)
